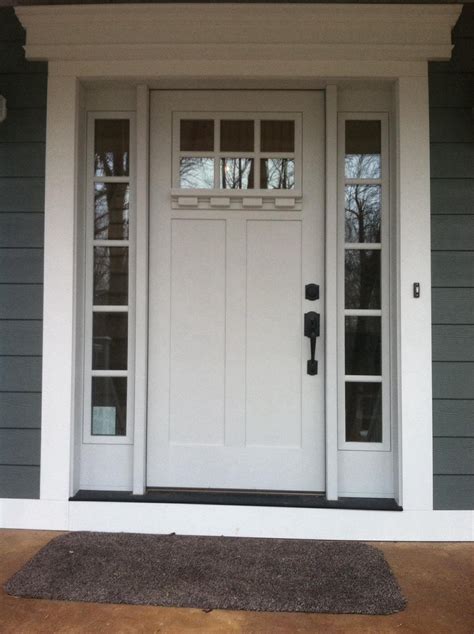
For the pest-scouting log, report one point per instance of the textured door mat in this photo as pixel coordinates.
(274, 575)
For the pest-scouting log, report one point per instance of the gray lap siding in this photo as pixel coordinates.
(452, 208)
(22, 152)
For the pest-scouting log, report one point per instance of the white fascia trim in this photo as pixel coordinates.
(238, 521)
(315, 70)
(231, 31)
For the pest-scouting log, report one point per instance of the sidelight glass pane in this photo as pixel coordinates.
(196, 173)
(363, 345)
(362, 211)
(109, 406)
(363, 412)
(363, 148)
(110, 276)
(109, 341)
(277, 136)
(277, 173)
(196, 135)
(237, 136)
(237, 173)
(362, 278)
(112, 147)
(111, 210)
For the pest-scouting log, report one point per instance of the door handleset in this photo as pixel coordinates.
(311, 330)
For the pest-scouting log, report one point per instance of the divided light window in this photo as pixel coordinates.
(108, 276)
(364, 200)
(224, 153)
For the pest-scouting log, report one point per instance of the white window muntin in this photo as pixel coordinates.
(91, 309)
(217, 154)
(384, 311)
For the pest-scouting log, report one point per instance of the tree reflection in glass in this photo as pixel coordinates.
(277, 173)
(362, 213)
(363, 350)
(110, 276)
(362, 278)
(363, 148)
(110, 345)
(237, 173)
(111, 150)
(363, 412)
(196, 173)
(362, 165)
(109, 397)
(111, 211)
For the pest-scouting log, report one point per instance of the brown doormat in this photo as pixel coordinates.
(274, 575)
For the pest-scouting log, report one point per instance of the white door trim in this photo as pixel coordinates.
(414, 315)
(61, 223)
(141, 289)
(330, 285)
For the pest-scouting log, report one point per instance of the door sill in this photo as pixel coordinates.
(235, 497)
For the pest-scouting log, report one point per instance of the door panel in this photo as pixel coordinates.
(197, 358)
(230, 402)
(274, 372)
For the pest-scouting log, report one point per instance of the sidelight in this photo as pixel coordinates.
(107, 319)
(365, 244)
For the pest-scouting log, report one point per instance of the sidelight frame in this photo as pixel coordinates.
(89, 308)
(385, 378)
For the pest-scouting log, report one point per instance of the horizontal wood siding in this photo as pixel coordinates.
(451, 195)
(19, 481)
(22, 156)
(453, 418)
(452, 233)
(21, 301)
(20, 410)
(454, 492)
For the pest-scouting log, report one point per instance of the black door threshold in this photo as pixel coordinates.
(239, 498)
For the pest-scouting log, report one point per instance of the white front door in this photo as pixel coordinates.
(236, 233)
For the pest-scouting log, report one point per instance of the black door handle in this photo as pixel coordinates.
(311, 330)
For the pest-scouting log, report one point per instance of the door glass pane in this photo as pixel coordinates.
(363, 412)
(109, 406)
(112, 147)
(237, 173)
(277, 173)
(196, 135)
(196, 173)
(110, 276)
(362, 210)
(362, 278)
(277, 136)
(237, 136)
(363, 345)
(363, 147)
(109, 345)
(111, 208)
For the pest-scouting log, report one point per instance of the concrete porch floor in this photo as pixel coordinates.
(437, 580)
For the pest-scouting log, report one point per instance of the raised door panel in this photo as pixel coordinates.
(274, 333)
(197, 358)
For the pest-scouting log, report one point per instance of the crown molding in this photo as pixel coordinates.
(238, 31)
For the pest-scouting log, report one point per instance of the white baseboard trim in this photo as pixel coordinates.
(248, 521)
(34, 514)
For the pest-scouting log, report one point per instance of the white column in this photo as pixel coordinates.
(141, 291)
(414, 258)
(58, 312)
(331, 295)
